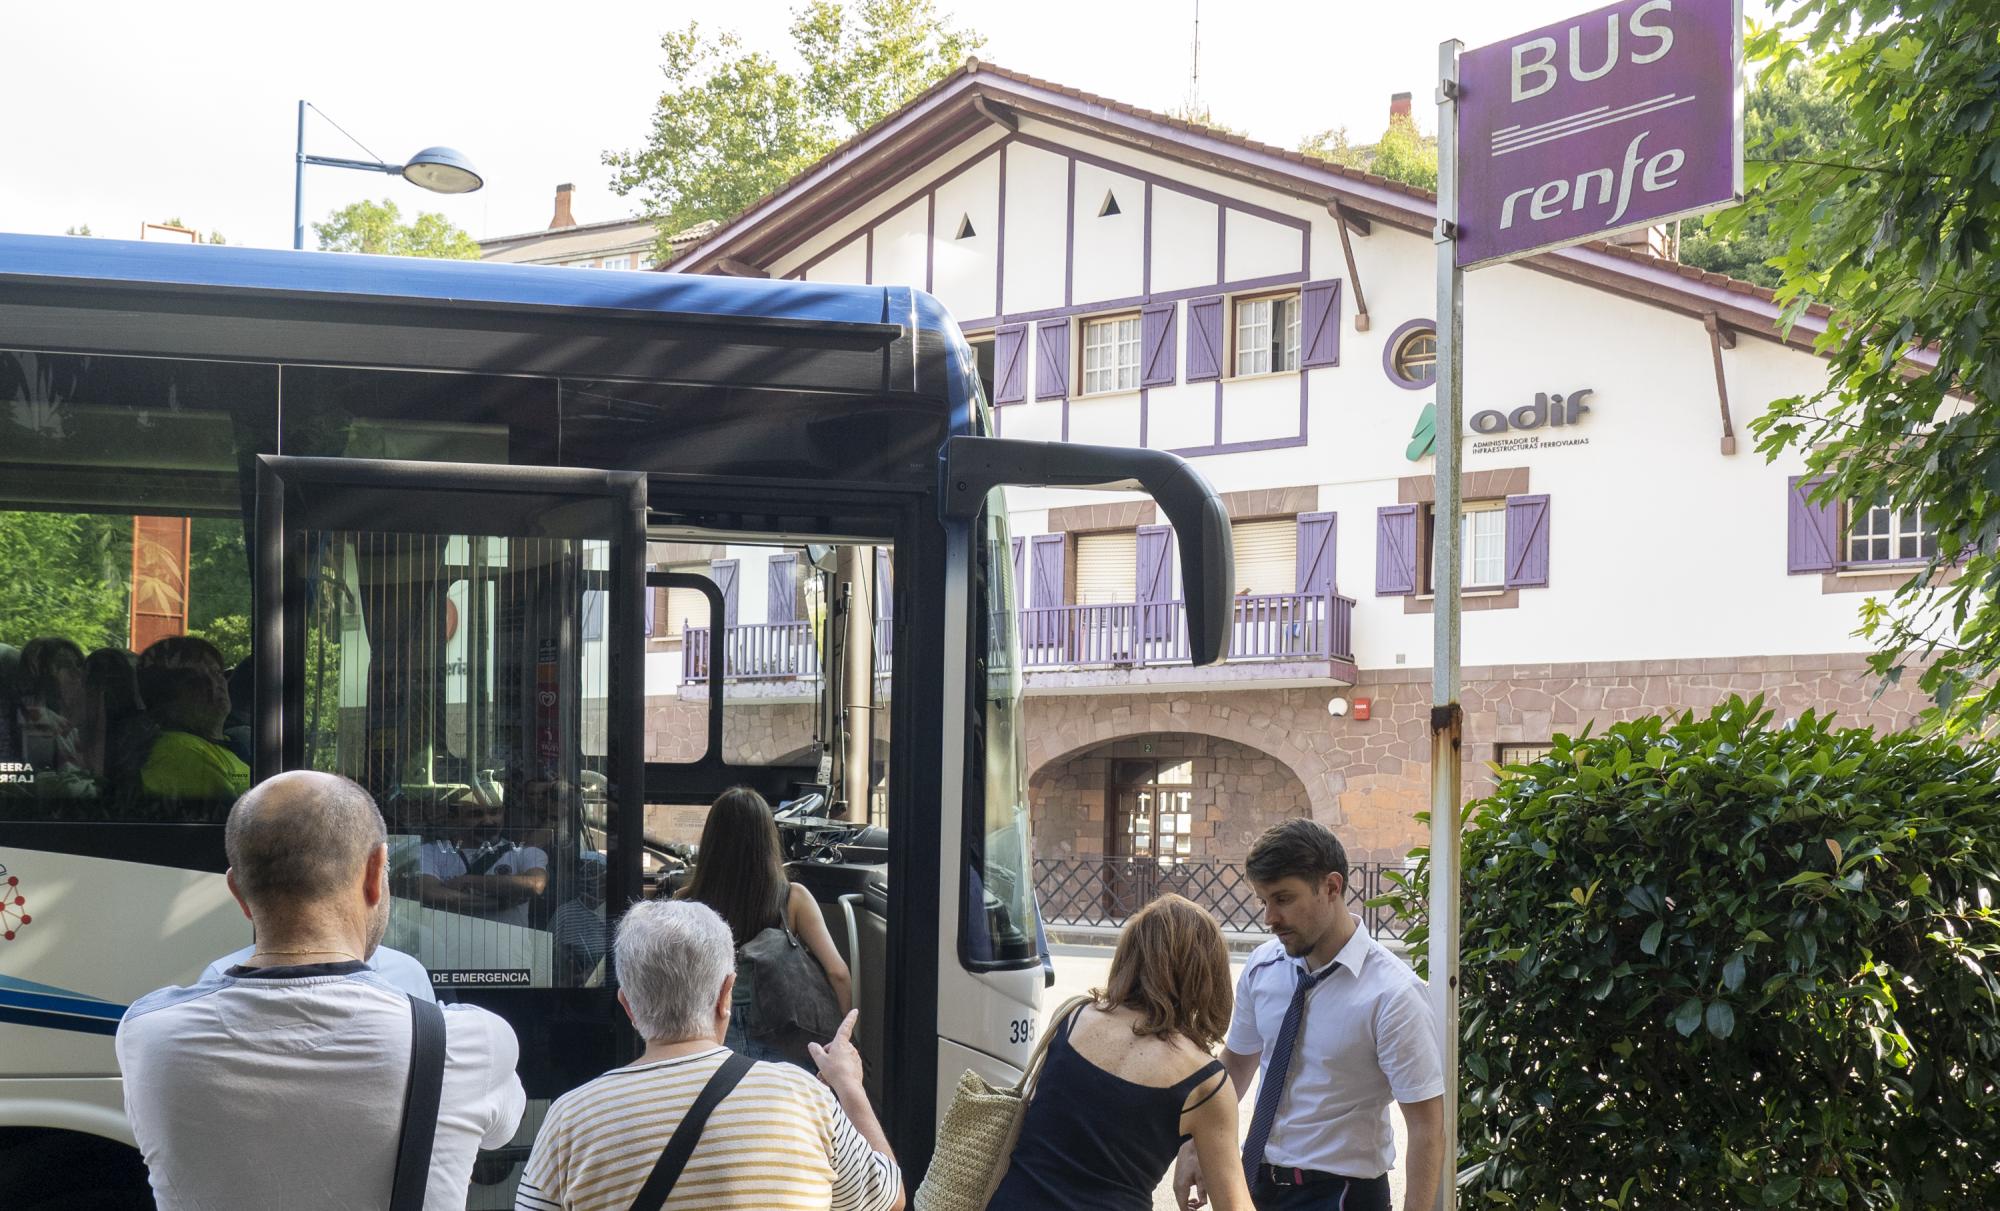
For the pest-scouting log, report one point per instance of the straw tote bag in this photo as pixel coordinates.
(978, 1134)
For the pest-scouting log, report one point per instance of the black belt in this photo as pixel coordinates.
(1279, 1175)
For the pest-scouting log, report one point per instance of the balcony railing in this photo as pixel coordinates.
(1267, 627)
(765, 651)
(1106, 891)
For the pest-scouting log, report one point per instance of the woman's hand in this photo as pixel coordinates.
(839, 1062)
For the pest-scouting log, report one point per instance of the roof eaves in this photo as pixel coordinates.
(1416, 207)
(601, 224)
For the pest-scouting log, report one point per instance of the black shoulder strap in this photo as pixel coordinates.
(667, 1170)
(421, 1094)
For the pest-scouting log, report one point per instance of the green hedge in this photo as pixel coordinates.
(1710, 962)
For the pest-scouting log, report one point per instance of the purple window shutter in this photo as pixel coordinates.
(1319, 324)
(1812, 529)
(1315, 557)
(1204, 343)
(1395, 550)
(1157, 345)
(1052, 359)
(1010, 381)
(1048, 559)
(1046, 554)
(1155, 581)
(885, 584)
(782, 595)
(1020, 568)
(1527, 541)
(724, 572)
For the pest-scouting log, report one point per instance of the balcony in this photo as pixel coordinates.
(1275, 638)
(763, 660)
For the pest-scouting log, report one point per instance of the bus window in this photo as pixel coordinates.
(122, 523)
(458, 418)
(999, 912)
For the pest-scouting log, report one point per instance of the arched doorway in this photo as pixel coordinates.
(1118, 822)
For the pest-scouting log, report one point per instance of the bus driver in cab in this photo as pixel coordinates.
(475, 869)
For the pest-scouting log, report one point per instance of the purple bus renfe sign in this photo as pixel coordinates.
(1625, 116)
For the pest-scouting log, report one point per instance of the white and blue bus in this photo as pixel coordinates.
(411, 504)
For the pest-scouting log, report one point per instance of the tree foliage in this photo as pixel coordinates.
(1402, 154)
(734, 124)
(1787, 115)
(68, 575)
(1713, 962)
(378, 227)
(1892, 226)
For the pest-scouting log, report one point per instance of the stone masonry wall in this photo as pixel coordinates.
(1238, 793)
(1367, 778)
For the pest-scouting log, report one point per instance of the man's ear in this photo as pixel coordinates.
(229, 877)
(375, 875)
(1334, 885)
(627, 1007)
(728, 993)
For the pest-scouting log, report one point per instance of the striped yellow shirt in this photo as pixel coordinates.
(778, 1142)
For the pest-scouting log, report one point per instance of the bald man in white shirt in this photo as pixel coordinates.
(1339, 1028)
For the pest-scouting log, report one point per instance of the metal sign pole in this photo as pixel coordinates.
(1446, 529)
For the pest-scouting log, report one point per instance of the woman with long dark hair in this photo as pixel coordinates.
(739, 872)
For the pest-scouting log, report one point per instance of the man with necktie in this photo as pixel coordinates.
(1337, 1027)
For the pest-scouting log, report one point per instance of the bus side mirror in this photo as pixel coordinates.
(974, 466)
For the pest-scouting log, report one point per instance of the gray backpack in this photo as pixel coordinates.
(791, 1002)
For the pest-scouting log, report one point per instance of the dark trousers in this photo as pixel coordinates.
(1339, 1194)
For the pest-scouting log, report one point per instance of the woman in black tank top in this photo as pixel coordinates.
(1094, 1139)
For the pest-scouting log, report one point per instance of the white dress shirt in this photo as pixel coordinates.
(1368, 1037)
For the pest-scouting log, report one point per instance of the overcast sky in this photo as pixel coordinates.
(118, 113)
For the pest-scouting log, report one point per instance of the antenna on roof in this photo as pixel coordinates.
(1193, 105)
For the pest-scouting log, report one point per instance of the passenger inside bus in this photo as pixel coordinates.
(51, 700)
(113, 716)
(186, 691)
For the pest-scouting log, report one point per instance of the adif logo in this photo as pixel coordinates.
(1554, 409)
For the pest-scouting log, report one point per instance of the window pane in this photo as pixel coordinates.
(460, 418)
(1253, 337)
(122, 523)
(1485, 540)
(1287, 347)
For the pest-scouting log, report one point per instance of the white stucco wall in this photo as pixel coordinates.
(1660, 546)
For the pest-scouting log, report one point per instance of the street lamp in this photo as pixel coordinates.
(438, 169)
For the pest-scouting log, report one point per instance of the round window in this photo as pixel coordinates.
(1415, 358)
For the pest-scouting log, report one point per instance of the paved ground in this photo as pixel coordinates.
(1080, 968)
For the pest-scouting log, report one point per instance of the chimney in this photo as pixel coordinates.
(1658, 240)
(1399, 106)
(563, 217)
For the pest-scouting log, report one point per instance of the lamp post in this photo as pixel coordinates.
(438, 169)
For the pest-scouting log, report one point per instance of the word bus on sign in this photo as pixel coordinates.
(1620, 118)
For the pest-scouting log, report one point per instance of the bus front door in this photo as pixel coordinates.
(466, 643)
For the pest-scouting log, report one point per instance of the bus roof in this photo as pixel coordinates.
(86, 295)
(140, 263)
